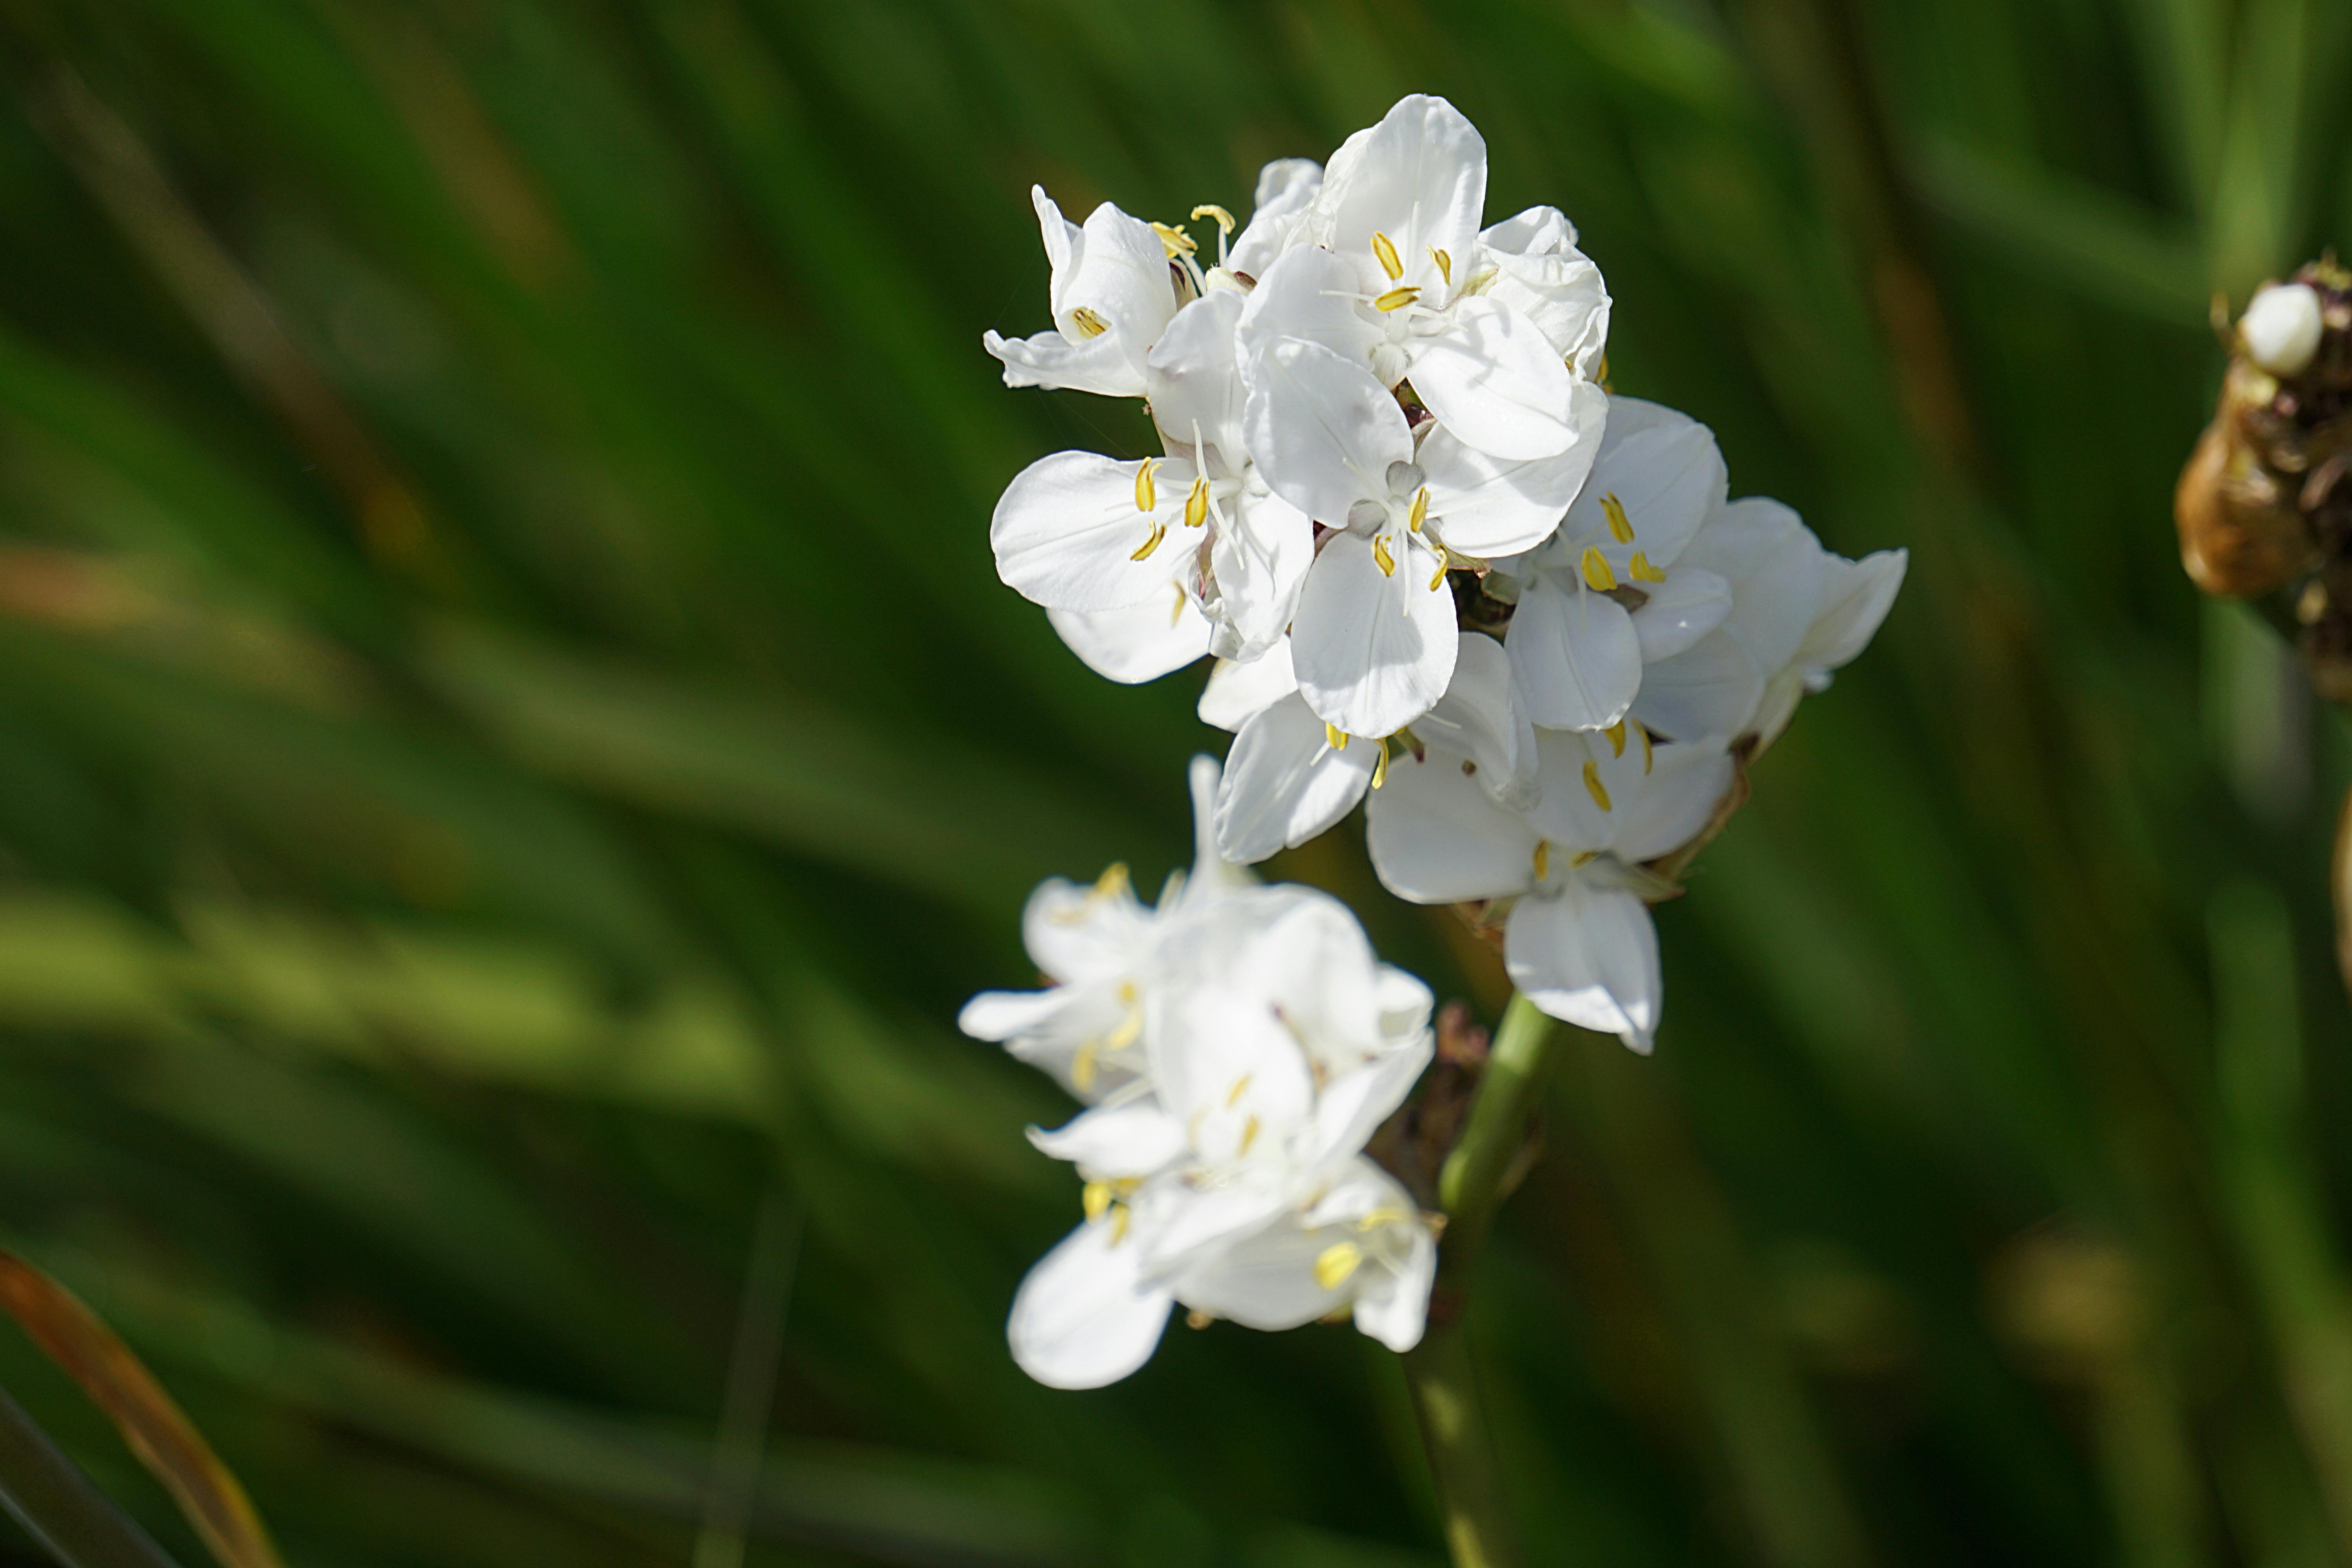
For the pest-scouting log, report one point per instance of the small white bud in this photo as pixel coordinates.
(2281, 328)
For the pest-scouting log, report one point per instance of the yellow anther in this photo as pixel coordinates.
(1112, 883)
(1437, 578)
(1381, 766)
(1620, 528)
(1147, 488)
(1082, 1065)
(1419, 513)
(1241, 1087)
(1089, 324)
(1643, 570)
(1387, 1214)
(1144, 550)
(1597, 574)
(1594, 786)
(1249, 1135)
(1118, 1039)
(1397, 299)
(1095, 1197)
(1196, 503)
(1381, 555)
(1444, 263)
(1337, 1263)
(1602, 374)
(1126, 993)
(1334, 737)
(1585, 857)
(1616, 733)
(1174, 240)
(1543, 858)
(1118, 1224)
(1176, 611)
(1384, 252)
(1211, 209)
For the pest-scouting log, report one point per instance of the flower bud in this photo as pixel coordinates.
(2279, 330)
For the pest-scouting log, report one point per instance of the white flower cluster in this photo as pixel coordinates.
(1438, 564)
(1434, 558)
(1236, 1046)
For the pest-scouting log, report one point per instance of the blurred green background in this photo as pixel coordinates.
(512, 750)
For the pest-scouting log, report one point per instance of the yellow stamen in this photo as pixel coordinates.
(1543, 858)
(1444, 263)
(1602, 376)
(1597, 574)
(1196, 503)
(1380, 553)
(1387, 1214)
(1616, 733)
(1334, 737)
(1118, 1039)
(1096, 1198)
(1620, 528)
(1594, 786)
(1147, 488)
(1249, 1134)
(1174, 240)
(1144, 550)
(1118, 1224)
(1585, 856)
(1419, 513)
(1241, 1087)
(1643, 570)
(1089, 324)
(1176, 612)
(1381, 767)
(1645, 733)
(1384, 252)
(1337, 1263)
(1112, 883)
(1211, 209)
(1437, 578)
(1397, 299)
(1082, 1065)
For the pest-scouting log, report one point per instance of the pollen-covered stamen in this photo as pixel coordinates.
(1620, 528)
(1095, 1198)
(1598, 574)
(1419, 513)
(1543, 858)
(1383, 555)
(1381, 766)
(1196, 503)
(1225, 224)
(1616, 733)
(1334, 737)
(1594, 786)
(1143, 552)
(1241, 1087)
(1397, 299)
(1384, 252)
(1338, 1264)
(1090, 323)
(1250, 1129)
(1646, 758)
(1643, 570)
(1387, 1214)
(1444, 264)
(1437, 578)
(1147, 488)
(1174, 240)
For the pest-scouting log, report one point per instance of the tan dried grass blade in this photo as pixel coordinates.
(166, 1442)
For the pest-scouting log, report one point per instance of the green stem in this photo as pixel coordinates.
(1453, 1426)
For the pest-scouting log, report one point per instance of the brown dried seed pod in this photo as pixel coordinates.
(2239, 535)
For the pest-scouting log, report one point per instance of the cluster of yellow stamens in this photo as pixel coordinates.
(1599, 575)
(1147, 500)
(1089, 323)
(1100, 1198)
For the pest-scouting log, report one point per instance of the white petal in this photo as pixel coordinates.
(1675, 797)
(1236, 690)
(1589, 956)
(1284, 187)
(1393, 1304)
(1354, 1103)
(1221, 1052)
(1435, 838)
(1855, 597)
(1420, 178)
(1493, 380)
(1284, 785)
(1691, 602)
(1711, 689)
(1374, 650)
(1664, 473)
(1481, 718)
(1195, 383)
(1488, 506)
(1082, 934)
(1084, 1317)
(1403, 1003)
(1776, 591)
(1067, 529)
(1111, 1141)
(1119, 271)
(1540, 274)
(1305, 296)
(1140, 643)
(1060, 235)
(1264, 1281)
(1322, 431)
(999, 1015)
(1576, 656)
(1259, 562)
(1098, 364)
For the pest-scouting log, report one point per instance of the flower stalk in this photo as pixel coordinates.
(1478, 1175)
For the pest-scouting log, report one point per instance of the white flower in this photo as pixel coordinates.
(1278, 207)
(1398, 280)
(1373, 636)
(1610, 591)
(1798, 612)
(1578, 939)
(1259, 1044)
(1112, 291)
(2282, 326)
(1290, 776)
